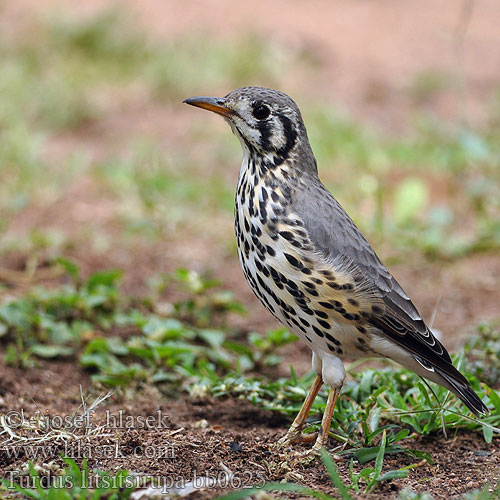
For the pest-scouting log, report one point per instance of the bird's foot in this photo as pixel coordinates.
(295, 437)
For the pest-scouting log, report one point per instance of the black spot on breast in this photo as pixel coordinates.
(292, 260)
(353, 302)
(361, 329)
(361, 340)
(324, 324)
(263, 213)
(287, 235)
(332, 339)
(326, 305)
(270, 251)
(275, 275)
(317, 331)
(257, 231)
(352, 317)
(321, 314)
(304, 322)
(261, 282)
(333, 285)
(308, 339)
(296, 293)
(377, 309)
(275, 196)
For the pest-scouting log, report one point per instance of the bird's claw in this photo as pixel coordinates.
(296, 437)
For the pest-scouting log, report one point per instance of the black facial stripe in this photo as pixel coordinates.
(265, 135)
(290, 134)
(266, 129)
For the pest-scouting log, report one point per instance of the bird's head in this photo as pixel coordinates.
(266, 121)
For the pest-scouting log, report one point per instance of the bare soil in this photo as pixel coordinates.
(184, 439)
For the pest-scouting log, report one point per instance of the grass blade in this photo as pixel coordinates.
(379, 462)
(334, 475)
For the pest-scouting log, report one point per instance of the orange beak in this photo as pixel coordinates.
(215, 104)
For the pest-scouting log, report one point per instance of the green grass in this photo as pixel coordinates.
(125, 342)
(70, 483)
(72, 73)
(369, 478)
(192, 344)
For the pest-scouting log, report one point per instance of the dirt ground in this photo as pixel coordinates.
(231, 441)
(370, 50)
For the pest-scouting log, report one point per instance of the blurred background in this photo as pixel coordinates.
(101, 162)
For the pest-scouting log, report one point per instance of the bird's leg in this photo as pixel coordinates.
(326, 422)
(294, 433)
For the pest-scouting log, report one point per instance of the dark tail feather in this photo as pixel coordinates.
(466, 394)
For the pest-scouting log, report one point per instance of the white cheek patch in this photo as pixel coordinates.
(278, 138)
(252, 135)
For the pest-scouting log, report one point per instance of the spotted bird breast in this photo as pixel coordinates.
(301, 289)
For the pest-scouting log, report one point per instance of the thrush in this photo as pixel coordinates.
(309, 264)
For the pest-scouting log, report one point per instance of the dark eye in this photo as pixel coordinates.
(261, 112)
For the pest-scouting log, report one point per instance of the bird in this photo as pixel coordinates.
(309, 264)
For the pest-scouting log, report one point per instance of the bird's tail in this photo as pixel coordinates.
(448, 376)
(463, 390)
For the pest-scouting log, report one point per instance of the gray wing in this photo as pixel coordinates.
(334, 234)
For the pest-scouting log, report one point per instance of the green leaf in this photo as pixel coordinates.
(364, 455)
(103, 278)
(379, 462)
(487, 433)
(410, 199)
(393, 474)
(51, 351)
(495, 399)
(374, 419)
(70, 267)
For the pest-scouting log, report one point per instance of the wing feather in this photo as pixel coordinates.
(334, 234)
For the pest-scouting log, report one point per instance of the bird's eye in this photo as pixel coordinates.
(261, 112)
